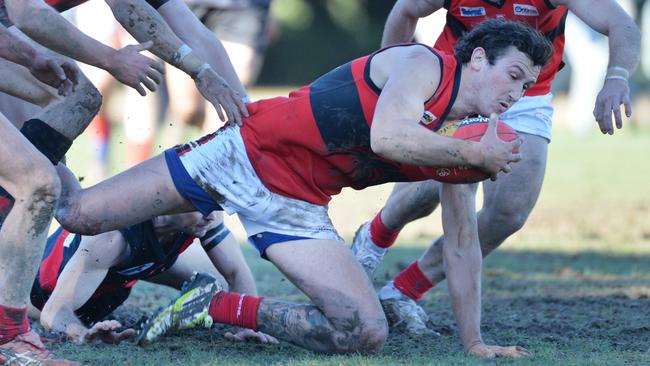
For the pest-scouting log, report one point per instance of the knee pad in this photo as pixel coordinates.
(47, 140)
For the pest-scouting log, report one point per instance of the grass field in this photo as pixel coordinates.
(573, 286)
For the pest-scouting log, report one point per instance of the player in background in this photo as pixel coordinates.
(364, 123)
(29, 177)
(82, 279)
(509, 200)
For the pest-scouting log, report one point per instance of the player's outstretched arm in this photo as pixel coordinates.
(610, 19)
(145, 24)
(43, 24)
(462, 263)
(403, 18)
(55, 72)
(78, 281)
(396, 133)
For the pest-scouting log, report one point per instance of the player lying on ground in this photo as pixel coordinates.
(509, 200)
(82, 279)
(358, 125)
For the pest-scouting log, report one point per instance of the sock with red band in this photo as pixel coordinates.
(382, 236)
(235, 309)
(412, 282)
(13, 322)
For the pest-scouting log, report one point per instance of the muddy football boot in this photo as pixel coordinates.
(188, 310)
(406, 316)
(27, 350)
(367, 253)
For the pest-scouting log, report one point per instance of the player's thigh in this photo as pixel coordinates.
(16, 81)
(20, 163)
(135, 195)
(327, 272)
(518, 191)
(193, 259)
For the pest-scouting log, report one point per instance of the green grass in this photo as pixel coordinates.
(573, 286)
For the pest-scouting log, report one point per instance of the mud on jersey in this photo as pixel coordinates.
(316, 141)
(463, 15)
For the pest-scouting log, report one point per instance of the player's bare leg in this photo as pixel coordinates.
(344, 316)
(31, 179)
(135, 195)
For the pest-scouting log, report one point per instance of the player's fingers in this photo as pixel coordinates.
(227, 108)
(628, 107)
(514, 351)
(65, 88)
(157, 66)
(154, 75)
(123, 335)
(507, 168)
(142, 46)
(149, 83)
(233, 112)
(270, 339)
(617, 116)
(140, 89)
(492, 124)
(241, 106)
(516, 144)
(217, 106)
(58, 70)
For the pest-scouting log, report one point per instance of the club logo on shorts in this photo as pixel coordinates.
(525, 10)
(428, 118)
(469, 11)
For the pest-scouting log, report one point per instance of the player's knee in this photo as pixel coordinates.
(373, 337)
(508, 218)
(45, 186)
(70, 213)
(360, 334)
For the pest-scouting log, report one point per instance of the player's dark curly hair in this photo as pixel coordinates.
(496, 35)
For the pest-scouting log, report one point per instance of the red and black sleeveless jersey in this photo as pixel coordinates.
(147, 258)
(463, 15)
(316, 141)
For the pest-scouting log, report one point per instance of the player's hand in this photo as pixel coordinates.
(244, 335)
(484, 351)
(614, 93)
(136, 70)
(56, 72)
(217, 91)
(497, 155)
(106, 332)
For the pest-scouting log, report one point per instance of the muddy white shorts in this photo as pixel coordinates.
(214, 173)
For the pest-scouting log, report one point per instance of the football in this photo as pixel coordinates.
(470, 129)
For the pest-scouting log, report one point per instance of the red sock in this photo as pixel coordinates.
(412, 282)
(235, 309)
(382, 236)
(13, 322)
